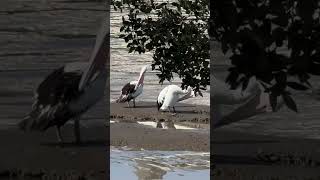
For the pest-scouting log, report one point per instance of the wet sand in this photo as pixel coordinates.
(249, 156)
(127, 132)
(38, 155)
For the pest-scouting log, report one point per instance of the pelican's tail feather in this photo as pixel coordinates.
(30, 123)
(122, 99)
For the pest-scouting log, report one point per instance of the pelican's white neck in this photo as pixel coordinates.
(99, 55)
(141, 77)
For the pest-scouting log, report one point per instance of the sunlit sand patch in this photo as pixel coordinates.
(148, 123)
(182, 127)
(154, 125)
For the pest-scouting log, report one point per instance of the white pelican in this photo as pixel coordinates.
(132, 90)
(70, 91)
(254, 101)
(172, 94)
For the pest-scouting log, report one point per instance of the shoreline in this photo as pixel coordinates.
(127, 132)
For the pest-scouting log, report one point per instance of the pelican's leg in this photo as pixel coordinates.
(174, 111)
(128, 102)
(169, 109)
(134, 103)
(77, 129)
(59, 134)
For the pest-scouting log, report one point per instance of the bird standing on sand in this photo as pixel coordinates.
(172, 94)
(132, 90)
(70, 91)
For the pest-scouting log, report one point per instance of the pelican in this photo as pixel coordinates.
(254, 101)
(70, 91)
(172, 94)
(133, 89)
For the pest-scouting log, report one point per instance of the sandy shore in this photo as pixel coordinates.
(248, 156)
(38, 155)
(127, 132)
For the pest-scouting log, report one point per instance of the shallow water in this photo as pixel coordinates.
(168, 165)
(154, 125)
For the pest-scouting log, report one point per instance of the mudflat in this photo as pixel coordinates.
(125, 131)
(240, 155)
(35, 155)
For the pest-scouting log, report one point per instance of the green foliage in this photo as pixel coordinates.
(274, 40)
(176, 33)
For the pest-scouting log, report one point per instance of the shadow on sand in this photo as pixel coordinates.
(142, 106)
(227, 159)
(245, 142)
(90, 143)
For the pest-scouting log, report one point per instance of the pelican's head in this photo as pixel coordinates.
(144, 69)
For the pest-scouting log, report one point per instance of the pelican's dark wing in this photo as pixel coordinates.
(125, 92)
(128, 89)
(51, 100)
(59, 86)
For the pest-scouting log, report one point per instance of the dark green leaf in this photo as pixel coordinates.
(297, 86)
(290, 102)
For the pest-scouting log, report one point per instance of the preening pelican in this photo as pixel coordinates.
(70, 91)
(254, 101)
(132, 90)
(172, 94)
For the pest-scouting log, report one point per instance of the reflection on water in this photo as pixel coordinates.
(167, 165)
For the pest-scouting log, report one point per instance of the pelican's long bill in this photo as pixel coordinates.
(99, 55)
(141, 77)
